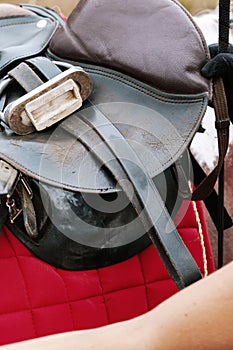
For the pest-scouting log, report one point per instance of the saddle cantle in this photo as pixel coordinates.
(98, 176)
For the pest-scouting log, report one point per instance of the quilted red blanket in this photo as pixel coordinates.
(37, 299)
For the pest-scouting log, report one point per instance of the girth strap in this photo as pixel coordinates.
(129, 171)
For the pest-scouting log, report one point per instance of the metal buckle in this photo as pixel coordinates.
(8, 179)
(49, 103)
(11, 180)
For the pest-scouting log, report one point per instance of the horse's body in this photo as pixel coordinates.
(205, 146)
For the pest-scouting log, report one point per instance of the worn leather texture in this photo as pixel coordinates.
(158, 126)
(38, 299)
(156, 42)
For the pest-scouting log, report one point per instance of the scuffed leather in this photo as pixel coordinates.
(156, 42)
(158, 126)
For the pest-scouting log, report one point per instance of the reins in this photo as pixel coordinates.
(224, 24)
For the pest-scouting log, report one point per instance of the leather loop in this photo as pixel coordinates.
(45, 66)
(222, 124)
(26, 77)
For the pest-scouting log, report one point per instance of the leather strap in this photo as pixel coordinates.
(26, 76)
(222, 124)
(127, 169)
(45, 66)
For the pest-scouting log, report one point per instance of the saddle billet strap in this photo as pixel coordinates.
(149, 205)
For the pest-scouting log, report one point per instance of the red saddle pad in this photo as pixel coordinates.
(37, 299)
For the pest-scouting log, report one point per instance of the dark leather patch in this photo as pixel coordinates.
(74, 235)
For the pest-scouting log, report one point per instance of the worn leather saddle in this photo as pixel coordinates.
(97, 117)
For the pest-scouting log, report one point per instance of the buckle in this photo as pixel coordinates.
(11, 180)
(8, 179)
(49, 103)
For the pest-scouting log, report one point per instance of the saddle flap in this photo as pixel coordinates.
(144, 59)
(157, 125)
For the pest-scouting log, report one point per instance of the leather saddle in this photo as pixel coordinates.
(104, 182)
